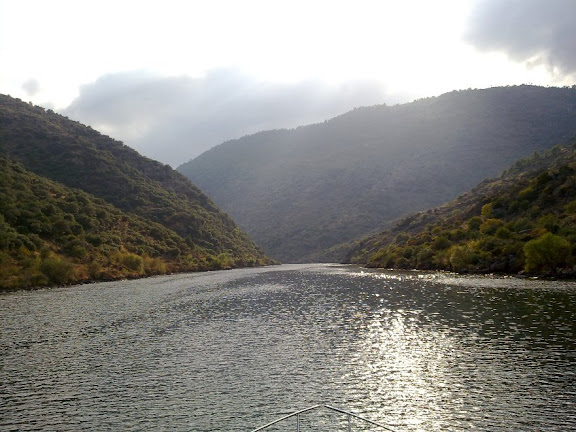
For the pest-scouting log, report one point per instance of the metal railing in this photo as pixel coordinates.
(348, 414)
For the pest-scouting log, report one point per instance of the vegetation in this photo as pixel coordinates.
(299, 192)
(523, 221)
(78, 206)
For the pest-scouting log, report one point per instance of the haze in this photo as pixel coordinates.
(174, 78)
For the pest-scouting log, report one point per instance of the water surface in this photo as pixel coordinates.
(232, 350)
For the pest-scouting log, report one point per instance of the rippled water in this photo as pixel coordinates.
(233, 350)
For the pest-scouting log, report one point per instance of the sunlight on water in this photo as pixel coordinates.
(401, 364)
(398, 276)
(443, 357)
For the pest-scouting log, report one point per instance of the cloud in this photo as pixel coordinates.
(173, 119)
(31, 87)
(533, 31)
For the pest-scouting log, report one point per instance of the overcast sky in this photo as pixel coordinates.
(174, 78)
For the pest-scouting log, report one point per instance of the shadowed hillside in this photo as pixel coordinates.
(298, 192)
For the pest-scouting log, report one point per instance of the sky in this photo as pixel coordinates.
(175, 78)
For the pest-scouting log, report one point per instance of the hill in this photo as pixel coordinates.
(522, 221)
(52, 234)
(298, 192)
(185, 229)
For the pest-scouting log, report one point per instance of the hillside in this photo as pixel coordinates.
(298, 192)
(522, 221)
(52, 234)
(146, 195)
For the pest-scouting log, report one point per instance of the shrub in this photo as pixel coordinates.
(78, 251)
(424, 258)
(462, 257)
(132, 262)
(550, 222)
(441, 243)
(487, 210)
(402, 238)
(547, 253)
(474, 223)
(402, 263)
(571, 207)
(490, 226)
(94, 239)
(503, 233)
(223, 261)
(94, 270)
(154, 266)
(57, 270)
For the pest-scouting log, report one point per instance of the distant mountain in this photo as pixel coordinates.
(121, 203)
(522, 221)
(298, 192)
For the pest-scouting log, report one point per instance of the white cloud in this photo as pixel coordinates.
(31, 87)
(66, 43)
(531, 31)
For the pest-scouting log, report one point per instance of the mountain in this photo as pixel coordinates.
(522, 221)
(298, 192)
(131, 203)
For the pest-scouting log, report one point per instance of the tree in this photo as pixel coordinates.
(547, 253)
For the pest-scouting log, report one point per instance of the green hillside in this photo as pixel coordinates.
(522, 221)
(143, 206)
(298, 192)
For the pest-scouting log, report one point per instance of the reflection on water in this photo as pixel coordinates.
(230, 351)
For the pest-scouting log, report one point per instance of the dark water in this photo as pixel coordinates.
(230, 351)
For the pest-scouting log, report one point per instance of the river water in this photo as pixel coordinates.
(233, 350)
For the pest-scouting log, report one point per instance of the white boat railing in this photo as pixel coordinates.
(349, 415)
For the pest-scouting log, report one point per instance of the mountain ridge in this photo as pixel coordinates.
(300, 191)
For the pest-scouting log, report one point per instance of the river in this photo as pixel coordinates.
(233, 350)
